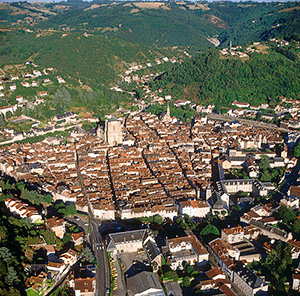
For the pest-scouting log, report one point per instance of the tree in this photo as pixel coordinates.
(3, 123)
(21, 186)
(11, 277)
(264, 163)
(210, 229)
(67, 238)
(3, 233)
(62, 98)
(296, 226)
(8, 114)
(297, 150)
(188, 268)
(5, 254)
(87, 255)
(67, 210)
(157, 219)
(286, 214)
(171, 274)
(186, 282)
(277, 262)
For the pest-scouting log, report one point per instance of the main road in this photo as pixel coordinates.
(266, 125)
(96, 242)
(102, 272)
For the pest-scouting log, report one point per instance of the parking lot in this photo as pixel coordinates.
(129, 258)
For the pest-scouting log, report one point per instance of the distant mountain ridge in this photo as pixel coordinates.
(162, 23)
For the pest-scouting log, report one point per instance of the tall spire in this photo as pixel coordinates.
(168, 110)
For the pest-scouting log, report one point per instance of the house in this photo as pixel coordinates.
(291, 201)
(12, 87)
(56, 267)
(69, 257)
(37, 73)
(4, 110)
(194, 208)
(264, 105)
(185, 249)
(173, 289)
(42, 93)
(233, 234)
(85, 286)
(19, 99)
(67, 116)
(294, 190)
(37, 283)
(25, 84)
(23, 210)
(296, 282)
(78, 238)
(14, 77)
(60, 79)
(144, 284)
(50, 253)
(295, 248)
(240, 104)
(58, 226)
(248, 281)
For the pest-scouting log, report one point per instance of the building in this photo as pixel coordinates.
(58, 226)
(69, 257)
(233, 234)
(220, 200)
(248, 281)
(131, 241)
(227, 256)
(23, 210)
(291, 201)
(37, 283)
(187, 249)
(194, 208)
(110, 131)
(85, 286)
(144, 284)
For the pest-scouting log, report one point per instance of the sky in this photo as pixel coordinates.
(49, 1)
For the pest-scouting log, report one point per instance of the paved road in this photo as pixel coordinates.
(246, 121)
(102, 272)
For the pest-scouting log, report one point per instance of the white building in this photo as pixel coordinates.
(194, 208)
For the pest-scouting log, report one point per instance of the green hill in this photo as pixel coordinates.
(95, 59)
(182, 23)
(162, 23)
(208, 79)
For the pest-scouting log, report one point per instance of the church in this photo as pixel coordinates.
(110, 131)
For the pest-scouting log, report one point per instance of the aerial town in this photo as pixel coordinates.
(146, 204)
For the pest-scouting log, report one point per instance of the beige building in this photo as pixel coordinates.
(187, 249)
(111, 131)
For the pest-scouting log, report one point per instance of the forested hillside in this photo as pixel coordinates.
(94, 59)
(93, 43)
(208, 79)
(162, 23)
(183, 23)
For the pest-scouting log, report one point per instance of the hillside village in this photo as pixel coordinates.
(185, 205)
(142, 166)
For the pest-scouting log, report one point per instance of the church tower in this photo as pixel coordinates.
(100, 130)
(113, 132)
(167, 116)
